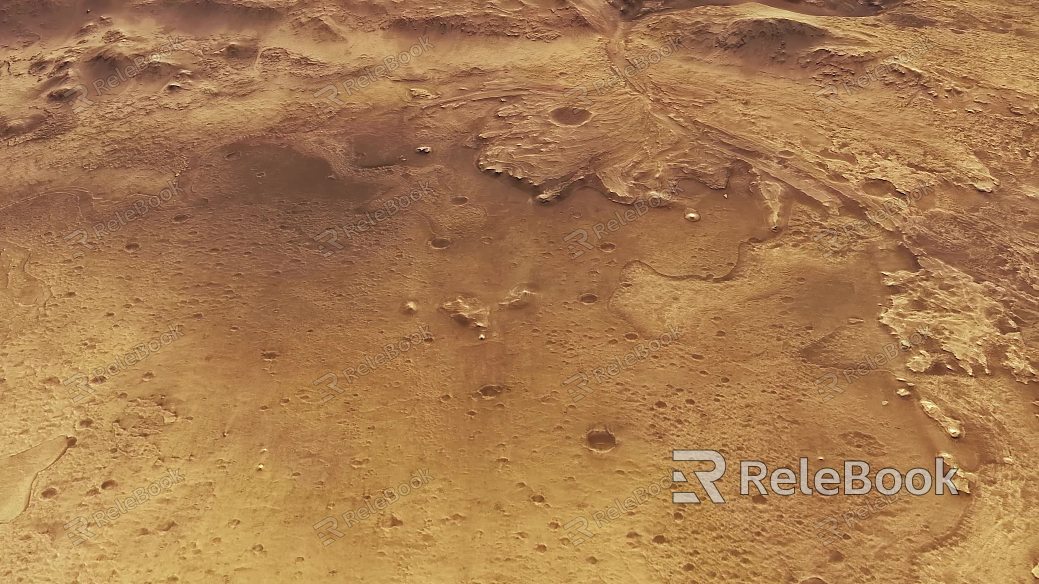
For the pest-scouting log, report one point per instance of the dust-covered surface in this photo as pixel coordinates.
(304, 291)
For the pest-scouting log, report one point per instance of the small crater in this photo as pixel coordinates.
(109, 485)
(49, 493)
(439, 242)
(460, 200)
(132, 247)
(570, 116)
(491, 391)
(589, 298)
(601, 440)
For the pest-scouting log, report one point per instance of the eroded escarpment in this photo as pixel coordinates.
(519, 251)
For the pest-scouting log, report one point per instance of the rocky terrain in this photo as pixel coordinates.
(371, 291)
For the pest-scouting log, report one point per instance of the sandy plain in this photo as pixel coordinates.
(372, 291)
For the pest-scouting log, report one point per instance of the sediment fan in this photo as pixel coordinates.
(519, 291)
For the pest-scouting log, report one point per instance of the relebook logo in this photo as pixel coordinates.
(856, 479)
